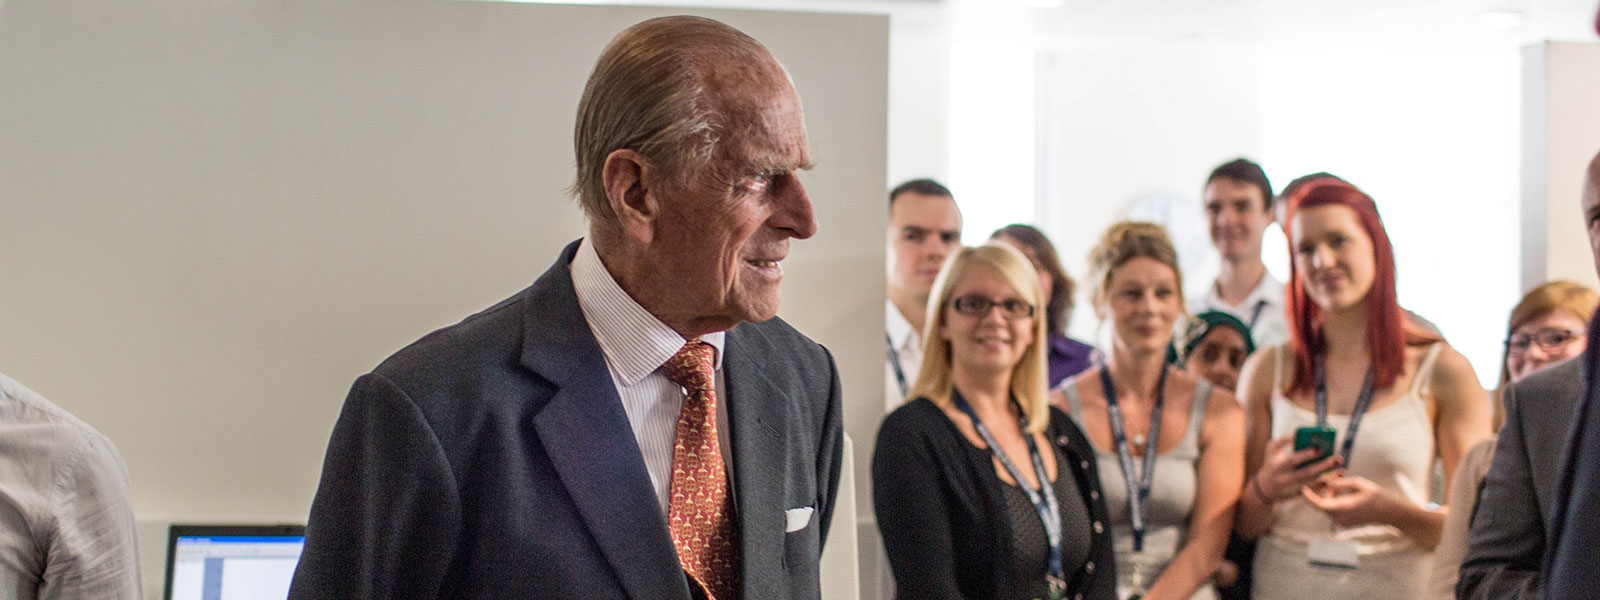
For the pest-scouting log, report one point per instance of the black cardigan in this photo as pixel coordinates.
(943, 518)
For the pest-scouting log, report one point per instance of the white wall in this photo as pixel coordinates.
(217, 215)
(1428, 127)
(1136, 127)
(1560, 134)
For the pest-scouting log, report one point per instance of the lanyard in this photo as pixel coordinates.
(1356, 413)
(894, 361)
(1044, 498)
(1254, 316)
(1138, 491)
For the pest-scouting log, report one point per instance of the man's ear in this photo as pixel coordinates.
(627, 176)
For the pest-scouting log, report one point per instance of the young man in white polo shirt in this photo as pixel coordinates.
(1238, 208)
(924, 228)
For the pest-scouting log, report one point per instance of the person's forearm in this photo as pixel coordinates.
(1192, 568)
(1420, 524)
(1254, 514)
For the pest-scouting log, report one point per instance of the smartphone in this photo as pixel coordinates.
(1320, 438)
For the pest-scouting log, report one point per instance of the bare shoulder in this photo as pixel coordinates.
(1452, 371)
(1058, 399)
(1087, 385)
(1256, 376)
(1223, 404)
(1224, 416)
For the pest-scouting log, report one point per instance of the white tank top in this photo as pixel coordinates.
(1394, 449)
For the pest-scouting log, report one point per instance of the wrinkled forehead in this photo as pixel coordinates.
(762, 120)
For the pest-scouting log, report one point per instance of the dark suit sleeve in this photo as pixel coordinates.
(1506, 540)
(386, 516)
(912, 515)
(830, 451)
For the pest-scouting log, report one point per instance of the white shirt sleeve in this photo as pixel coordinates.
(90, 549)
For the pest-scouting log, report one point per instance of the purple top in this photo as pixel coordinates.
(1067, 357)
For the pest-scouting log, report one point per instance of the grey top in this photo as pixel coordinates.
(1172, 496)
(1173, 491)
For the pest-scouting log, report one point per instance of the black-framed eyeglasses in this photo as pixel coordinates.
(979, 306)
(1549, 340)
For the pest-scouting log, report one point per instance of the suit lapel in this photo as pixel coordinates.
(586, 434)
(758, 408)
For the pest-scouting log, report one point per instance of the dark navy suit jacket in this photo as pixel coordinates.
(493, 459)
(1572, 557)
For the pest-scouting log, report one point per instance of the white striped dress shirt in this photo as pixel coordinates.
(636, 344)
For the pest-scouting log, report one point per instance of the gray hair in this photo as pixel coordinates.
(647, 94)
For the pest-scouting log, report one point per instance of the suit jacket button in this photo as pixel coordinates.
(1094, 494)
(1089, 567)
(1084, 464)
(1062, 441)
(1099, 528)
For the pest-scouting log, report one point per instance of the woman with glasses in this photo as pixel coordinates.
(1167, 442)
(1344, 421)
(982, 490)
(1547, 326)
(1067, 356)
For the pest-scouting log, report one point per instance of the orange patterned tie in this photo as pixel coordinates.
(700, 509)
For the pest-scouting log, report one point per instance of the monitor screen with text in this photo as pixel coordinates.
(232, 567)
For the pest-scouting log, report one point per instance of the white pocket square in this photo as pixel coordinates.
(796, 519)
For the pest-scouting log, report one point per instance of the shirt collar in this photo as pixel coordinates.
(1268, 290)
(634, 341)
(899, 329)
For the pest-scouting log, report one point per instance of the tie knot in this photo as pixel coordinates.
(691, 367)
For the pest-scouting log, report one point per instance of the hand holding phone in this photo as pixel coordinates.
(1321, 438)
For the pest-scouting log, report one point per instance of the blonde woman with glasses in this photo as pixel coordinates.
(982, 490)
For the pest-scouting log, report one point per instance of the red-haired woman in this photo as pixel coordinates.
(1356, 524)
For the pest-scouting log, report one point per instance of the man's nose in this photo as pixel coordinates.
(795, 214)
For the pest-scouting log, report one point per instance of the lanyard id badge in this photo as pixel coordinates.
(1331, 553)
(1138, 486)
(1356, 412)
(1043, 499)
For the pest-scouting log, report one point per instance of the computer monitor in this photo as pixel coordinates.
(232, 562)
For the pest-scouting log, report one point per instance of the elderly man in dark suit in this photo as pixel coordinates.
(636, 424)
(1508, 536)
(1571, 567)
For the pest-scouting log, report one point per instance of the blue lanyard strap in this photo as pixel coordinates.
(1138, 488)
(894, 361)
(1043, 499)
(1356, 413)
(1256, 316)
